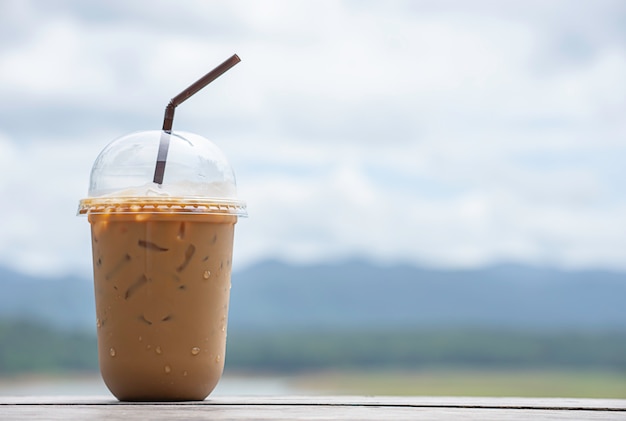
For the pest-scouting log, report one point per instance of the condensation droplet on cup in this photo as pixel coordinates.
(167, 369)
(195, 350)
(158, 350)
(140, 339)
(206, 274)
(112, 352)
(218, 358)
(185, 373)
(98, 323)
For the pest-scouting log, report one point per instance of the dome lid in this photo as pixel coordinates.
(197, 178)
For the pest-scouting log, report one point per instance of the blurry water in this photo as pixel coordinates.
(93, 385)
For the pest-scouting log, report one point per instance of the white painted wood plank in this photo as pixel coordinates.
(313, 408)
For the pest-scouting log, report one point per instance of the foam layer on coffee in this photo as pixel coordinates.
(221, 190)
(183, 197)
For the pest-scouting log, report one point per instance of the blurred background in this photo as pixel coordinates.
(435, 188)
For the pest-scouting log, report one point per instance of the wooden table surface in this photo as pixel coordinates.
(312, 408)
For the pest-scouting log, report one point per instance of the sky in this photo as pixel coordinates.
(449, 134)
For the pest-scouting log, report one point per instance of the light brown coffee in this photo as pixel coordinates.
(162, 286)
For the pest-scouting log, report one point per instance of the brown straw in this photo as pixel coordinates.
(168, 120)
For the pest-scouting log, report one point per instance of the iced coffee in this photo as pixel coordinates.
(162, 207)
(162, 259)
(162, 285)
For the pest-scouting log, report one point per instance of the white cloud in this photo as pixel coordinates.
(43, 183)
(440, 133)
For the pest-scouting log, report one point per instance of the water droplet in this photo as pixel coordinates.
(223, 328)
(158, 350)
(167, 369)
(195, 350)
(140, 339)
(218, 359)
(206, 274)
(112, 352)
(98, 323)
(148, 346)
(185, 373)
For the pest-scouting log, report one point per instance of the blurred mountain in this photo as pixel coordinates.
(361, 295)
(66, 302)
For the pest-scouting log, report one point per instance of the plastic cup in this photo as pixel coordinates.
(162, 258)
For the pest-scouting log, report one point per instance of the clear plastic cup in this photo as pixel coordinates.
(162, 258)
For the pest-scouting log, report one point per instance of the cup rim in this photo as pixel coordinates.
(162, 205)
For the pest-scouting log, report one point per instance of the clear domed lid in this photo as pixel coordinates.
(197, 178)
